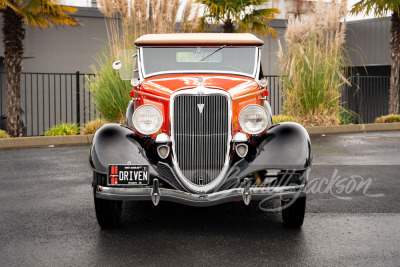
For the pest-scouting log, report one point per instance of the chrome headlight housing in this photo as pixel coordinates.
(147, 119)
(253, 119)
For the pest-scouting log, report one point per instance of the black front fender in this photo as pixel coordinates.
(285, 146)
(116, 144)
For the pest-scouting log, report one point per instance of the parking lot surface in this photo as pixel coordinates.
(47, 215)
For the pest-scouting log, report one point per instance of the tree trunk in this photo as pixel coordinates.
(228, 26)
(395, 68)
(13, 36)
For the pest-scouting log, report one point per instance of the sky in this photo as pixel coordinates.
(87, 3)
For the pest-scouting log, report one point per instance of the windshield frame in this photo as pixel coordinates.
(144, 75)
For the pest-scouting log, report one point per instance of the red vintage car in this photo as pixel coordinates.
(198, 131)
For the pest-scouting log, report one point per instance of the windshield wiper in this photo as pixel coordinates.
(213, 52)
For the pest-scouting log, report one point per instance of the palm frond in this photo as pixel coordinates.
(255, 22)
(203, 25)
(248, 15)
(213, 8)
(42, 13)
(377, 8)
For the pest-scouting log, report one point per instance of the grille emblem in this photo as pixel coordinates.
(200, 107)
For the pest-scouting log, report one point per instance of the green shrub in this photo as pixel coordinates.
(388, 118)
(283, 118)
(4, 134)
(63, 129)
(92, 126)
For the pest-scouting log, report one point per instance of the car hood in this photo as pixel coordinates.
(166, 85)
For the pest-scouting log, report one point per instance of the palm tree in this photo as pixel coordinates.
(246, 15)
(16, 13)
(380, 9)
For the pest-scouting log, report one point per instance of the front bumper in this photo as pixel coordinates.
(156, 194)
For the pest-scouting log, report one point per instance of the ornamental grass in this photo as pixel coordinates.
(92, 126)
(312, 68)
(127, 20)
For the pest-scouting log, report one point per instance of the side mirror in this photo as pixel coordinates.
(117, 65)
(126, 63)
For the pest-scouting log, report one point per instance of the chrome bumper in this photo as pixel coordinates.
(156, 194)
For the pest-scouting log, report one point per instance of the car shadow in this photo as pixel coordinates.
(183, 234)
(185, 218)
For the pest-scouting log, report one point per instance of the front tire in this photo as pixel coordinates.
(108, 212)
(293, 212)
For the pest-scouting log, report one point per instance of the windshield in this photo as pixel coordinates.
(215, 59)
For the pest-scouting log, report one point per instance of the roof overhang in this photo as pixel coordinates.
(199, 39)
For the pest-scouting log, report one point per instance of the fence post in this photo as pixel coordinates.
(78, 100)
(357, 107)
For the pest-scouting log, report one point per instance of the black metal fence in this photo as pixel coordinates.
(274, 97)
(368, 96)
(48, 99)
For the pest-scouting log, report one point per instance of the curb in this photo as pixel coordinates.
(45, 141)
(356, 128)
(76, 140)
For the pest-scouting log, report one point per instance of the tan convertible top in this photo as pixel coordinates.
(199, 39)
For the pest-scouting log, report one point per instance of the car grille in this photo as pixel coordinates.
(201, 138)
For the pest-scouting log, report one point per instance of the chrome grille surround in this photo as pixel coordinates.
(187, 182)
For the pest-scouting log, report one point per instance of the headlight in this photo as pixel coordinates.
(147, 119)
(253, 119)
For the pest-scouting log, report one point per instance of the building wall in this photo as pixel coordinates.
(367, 42)
(269, 57)
(64, 49)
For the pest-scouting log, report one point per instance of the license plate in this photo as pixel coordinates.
(128, 175)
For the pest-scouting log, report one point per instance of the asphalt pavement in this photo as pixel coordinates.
(47, 215)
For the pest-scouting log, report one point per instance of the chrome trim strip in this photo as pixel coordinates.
(250, 94)
(217, 181)
(202, 200)
(150, 95)
(140, 64)
(258, 64)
